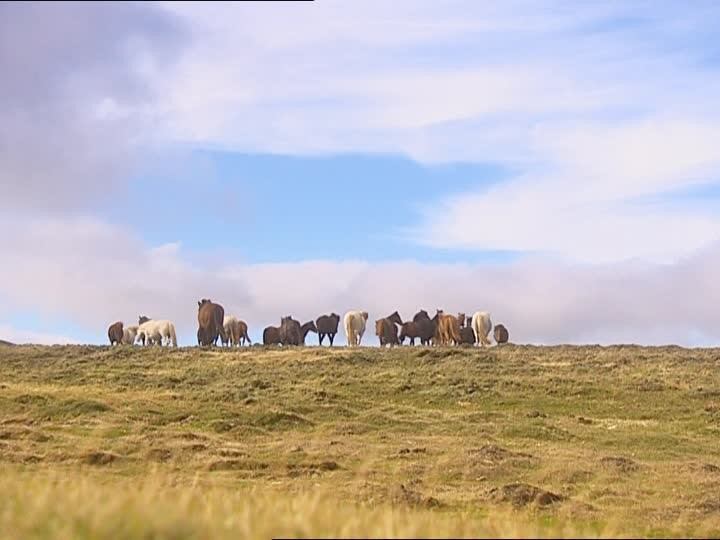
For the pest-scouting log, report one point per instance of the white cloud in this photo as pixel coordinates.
(75, 98)
(21, 336)
(594, 106)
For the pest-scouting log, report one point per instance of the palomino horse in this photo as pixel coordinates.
(160, 332)
(354, 322)
(481, 325)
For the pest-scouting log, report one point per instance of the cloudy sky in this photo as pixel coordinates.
(554, 163)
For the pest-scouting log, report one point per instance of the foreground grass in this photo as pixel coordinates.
(517, 441)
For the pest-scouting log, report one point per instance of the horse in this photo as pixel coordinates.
(231, 327)
(160, 332)
(354, 322)
(386, 331)
(115, 333)
(448, 329)
(306, 328)
(500, 334)
(129, 334)
(243, 333)
(481, 325)
(271, 336)
(210, 322)
(467, 336)
(290, 333)
(410, 330)
(327, 325)
(425, 327)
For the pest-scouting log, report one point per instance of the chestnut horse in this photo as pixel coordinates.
(448, 329)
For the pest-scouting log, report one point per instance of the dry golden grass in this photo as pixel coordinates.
(515, 441)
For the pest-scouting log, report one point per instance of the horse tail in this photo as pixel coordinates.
(349, 330)
(173, 337)
(475, 324)
(245, 335)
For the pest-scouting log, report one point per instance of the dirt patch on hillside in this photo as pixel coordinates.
(521, 495)
(405, 496)
(619, 463)
(100, 458)
(310, 469)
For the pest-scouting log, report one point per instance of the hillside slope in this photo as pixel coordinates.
(565, 440)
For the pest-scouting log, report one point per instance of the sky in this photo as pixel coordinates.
(553, 163)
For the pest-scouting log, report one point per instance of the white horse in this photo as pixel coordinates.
(481, 326)
(129, 334)
(231, 325)
(160, 332)
(355, 326)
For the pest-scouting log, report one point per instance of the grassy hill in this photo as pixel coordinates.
(188, 443)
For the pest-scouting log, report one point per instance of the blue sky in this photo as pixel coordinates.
(552, 162)
(275, 208)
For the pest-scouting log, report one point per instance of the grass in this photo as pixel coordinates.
(513, 441)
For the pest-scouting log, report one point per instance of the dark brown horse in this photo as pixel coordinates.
(467, 336)
(426, 327)
(501, 334)
(411, 331)
(306, 328)
(327, 325)
(387, 332)
(115, 333)
(210, 322)
(271, 336)
(290, 332)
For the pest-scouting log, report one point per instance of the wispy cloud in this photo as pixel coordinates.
(594, 105)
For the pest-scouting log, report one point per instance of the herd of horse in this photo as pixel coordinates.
(442, 329)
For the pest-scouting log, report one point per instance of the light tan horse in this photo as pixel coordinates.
(355, 322)
(448, 330)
